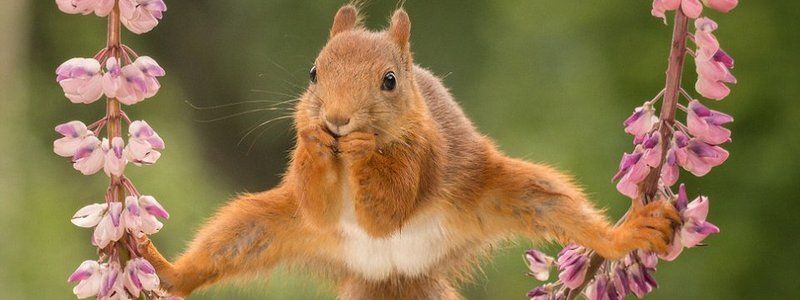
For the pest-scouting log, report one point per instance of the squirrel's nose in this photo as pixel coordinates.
(337, 120)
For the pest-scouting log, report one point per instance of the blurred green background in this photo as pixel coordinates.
(551, 81)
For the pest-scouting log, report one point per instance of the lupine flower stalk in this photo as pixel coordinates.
(663, 145)
(126, 215)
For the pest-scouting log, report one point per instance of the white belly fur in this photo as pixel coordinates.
(410, 251)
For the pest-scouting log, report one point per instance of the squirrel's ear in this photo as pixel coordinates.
(346, 19)
(400, 29)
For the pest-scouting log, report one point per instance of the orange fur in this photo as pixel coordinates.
(427, 193)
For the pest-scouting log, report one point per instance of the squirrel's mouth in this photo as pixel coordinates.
(332, 133)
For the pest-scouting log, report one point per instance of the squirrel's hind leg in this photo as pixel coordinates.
(541, 203)
(251, 233)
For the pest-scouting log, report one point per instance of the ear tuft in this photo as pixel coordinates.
(400, 28)
(346, 19)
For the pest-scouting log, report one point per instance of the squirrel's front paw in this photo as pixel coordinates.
(317, 141)
(357, 145)
(649, 228)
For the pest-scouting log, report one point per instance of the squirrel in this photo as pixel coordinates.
(391, 191)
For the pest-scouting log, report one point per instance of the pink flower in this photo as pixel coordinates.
(150, 68)
(670, 171)
(695, 228)
(81, 80)
(722, 5)
(572, 264)
(642, 121)
(143, 143)
(660, 7)
(140, 215)
(632, 170)
(545, 292)
(110, 227)
(635, 167)
(140, 275)
(132, 88)
(113, 286)
(74, 133)
(90, 215)
(712, 89)
(696, 156)
(114, 161)
(640, 282)
(539, 264)
(712, 63)
(136, 81)
(706, 124)
(692, 8)
(101, 8)
(89, 156)
(89, 275)
(707, 44)
(648, 259)
(598, 288)
(651, 149)
(111, 79)
(141, 16)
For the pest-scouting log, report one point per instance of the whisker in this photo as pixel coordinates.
(197, 107)
(260, 125)
(282, 68)
(272, 93)
(255, 140)
(285, 102)
(244, 113)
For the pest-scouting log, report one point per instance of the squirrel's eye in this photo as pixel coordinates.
(389, 82)
(313, 74)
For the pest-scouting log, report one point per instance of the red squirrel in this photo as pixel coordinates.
(391, 191)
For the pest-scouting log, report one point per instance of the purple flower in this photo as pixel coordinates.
(111, 79)
(113, 283)
(88, 216)
(89, 278)
(695, 228)
(132, 83)
(539, 264)
(101, 8)
(143, 143)
(651, 149)
(632, 170)
(712, 64)
(140, 215)
(73, 132)
(642, 121)
(640, 281)
(81, 80)
(619, 280)
(141, 16)
(114, 161)
(89, 156)
(110, 227)
(706, 124)
(541, 293)
(598, 288)
(670, 171)
(697, 156)
(572, 264)
(140, 275)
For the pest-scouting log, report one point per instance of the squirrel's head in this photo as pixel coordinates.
(363, 80)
